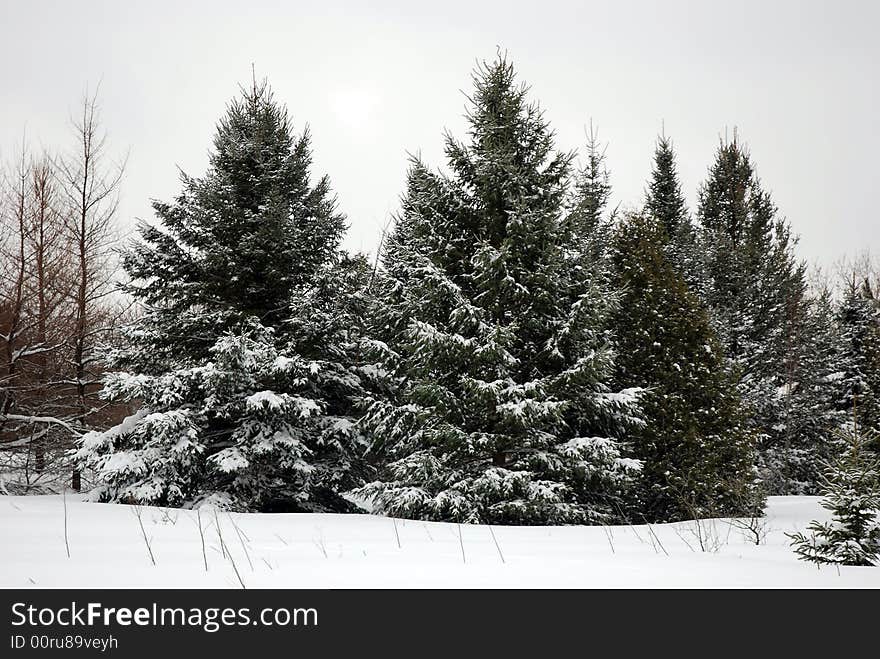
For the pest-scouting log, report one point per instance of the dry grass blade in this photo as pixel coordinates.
(66, 541)
(202, 537)
(461, 542)
(497, 546)
(241, 538)
(138, 513)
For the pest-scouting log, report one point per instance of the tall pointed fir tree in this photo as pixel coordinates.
(756, 289)
(501, 411)
(241, 363)
(592, 192)
(665, 202)
(859, 382)
(585, 217)
(699, 459)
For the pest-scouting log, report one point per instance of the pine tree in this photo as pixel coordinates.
(494, 336)
(756, 291)
(699, 460)
(860, 359)
(851, 489)
(810, 409)
(237, 241)
(242, 363)
(592, 188)
(665, 202)
(587, 221)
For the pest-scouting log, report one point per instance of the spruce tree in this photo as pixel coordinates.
(810, 409)
(699, 459)
(237, 241)
(494, 335)
(756, 291)
(592, 189)
(242, 362)
(860, 359)
(851, 488)
(665, 202)
(586, 219)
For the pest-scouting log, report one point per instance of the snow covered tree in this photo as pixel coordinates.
(665, 202)
(494, 336)
(860, 359)
(236, 242)
(699, 459)
(586, 219)
(242, 363)
(851, 489)
(592, 191)
(755, 290)
(810, 411)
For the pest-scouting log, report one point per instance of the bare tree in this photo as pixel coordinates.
(57, 237)
(48, 289)
(33, 297)
(22, 431)
(90, 181)
(14, 263)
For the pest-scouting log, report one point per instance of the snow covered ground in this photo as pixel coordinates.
(108, 549)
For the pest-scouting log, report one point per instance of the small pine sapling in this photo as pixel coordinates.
(852, 493)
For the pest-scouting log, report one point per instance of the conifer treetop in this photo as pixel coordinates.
(664, 199)
(236, 241)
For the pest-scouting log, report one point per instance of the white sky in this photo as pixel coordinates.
(377, 79)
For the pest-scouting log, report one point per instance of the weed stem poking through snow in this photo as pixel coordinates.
(66, 541)
(461, 542)
(497, 546)
(609, 537)
(138, 513)
(241, 537)
(228, 554)
(219, 533)
(202, 536)
(655, 536)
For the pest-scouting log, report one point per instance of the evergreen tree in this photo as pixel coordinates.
(809, 412)
(586, 219)
(756, 292)
(851, 489)
(699, 460)
(592, 188)
(494, 335)
(860, 359)
(586, 222)
(242, 363)
(665, 202)
(237, 241)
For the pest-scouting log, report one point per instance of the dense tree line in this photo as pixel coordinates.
(517, 354)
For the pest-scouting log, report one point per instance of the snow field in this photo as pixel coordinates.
(108, 549)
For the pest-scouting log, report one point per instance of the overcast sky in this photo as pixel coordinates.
(375, 80)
